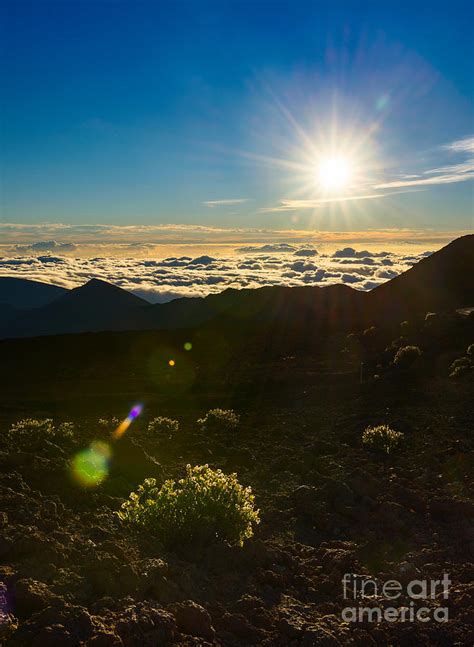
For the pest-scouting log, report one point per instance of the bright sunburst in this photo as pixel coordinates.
(334, 172)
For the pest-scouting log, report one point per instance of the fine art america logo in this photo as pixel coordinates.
(392, 601)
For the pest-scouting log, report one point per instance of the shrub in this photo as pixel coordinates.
(460, 363)
(406, 355)
(162, 427)
(460, 367)
(32, 432)
(381, 439)
(470, 351)
(204, 506)
(108, 424)
(219, 419)
(459, 371)
(405, 327)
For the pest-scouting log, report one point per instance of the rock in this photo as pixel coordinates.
(104, 639)
(7, 547)
(336, 494)
(55, 636)
(50, 508)
(70, 624)
(239, 626)
(307, 502)
(407, 572)
(445, 509)
(193, 619)
(291, 627)
(363, 484)
(143, 624)
(8, 624)
(3, 520)
(30, 596)
(316, 636)
(338, 558)
(108, 576)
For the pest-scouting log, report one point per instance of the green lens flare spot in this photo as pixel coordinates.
(91, 466)
(188, 346)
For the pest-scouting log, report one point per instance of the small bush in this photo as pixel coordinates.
(219, 420)
(203, 507)
(459, 371)
(32, 432)
(108, 424)
(462, 362)
(406, 355)
(460, 367)
(382, 439)
(162, 427)
(470, 351)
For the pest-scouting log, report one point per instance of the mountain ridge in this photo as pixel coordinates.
(441, 281)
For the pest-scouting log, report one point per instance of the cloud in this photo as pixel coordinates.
(124, 239)
(306, 252)
(465, 145)
(52, 259)
(457, 173)
(159, 280)
(351, 278)
(275, 247)
(386, 274)
(440, 174)
(295, 205)
(47, 246)
(202, 260)
(225, 203)
(350, 252)
(301, 266)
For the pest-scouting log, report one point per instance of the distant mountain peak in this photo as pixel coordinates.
(105, 291)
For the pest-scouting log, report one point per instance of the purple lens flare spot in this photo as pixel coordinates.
(136, 411)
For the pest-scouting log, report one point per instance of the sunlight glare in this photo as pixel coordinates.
(334, 173)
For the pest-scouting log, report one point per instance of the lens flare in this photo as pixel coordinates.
(91, 466)
(125, 424)
(188, 346)
(172, 362)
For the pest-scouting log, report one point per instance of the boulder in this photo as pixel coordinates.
(193, 619)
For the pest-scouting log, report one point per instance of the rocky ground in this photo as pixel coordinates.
(74, 574)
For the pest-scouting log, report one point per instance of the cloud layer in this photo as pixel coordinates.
(160, 280)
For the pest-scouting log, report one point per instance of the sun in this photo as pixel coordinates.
(334, 173)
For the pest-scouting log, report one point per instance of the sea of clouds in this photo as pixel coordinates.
(254, 266)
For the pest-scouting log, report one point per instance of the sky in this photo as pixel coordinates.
(225, 123)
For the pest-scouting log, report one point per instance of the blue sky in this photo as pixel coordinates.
(221, 113)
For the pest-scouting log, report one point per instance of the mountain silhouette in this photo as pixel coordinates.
(97, 305)
(441, 282)
(26, 294)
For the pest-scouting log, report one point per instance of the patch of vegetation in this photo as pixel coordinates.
(470, 351)
(29, 433)
(162, 427)
(406, 355)
(382, 439)
(460, 367)
(203, 507)
(108, 425)
(219, 420)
